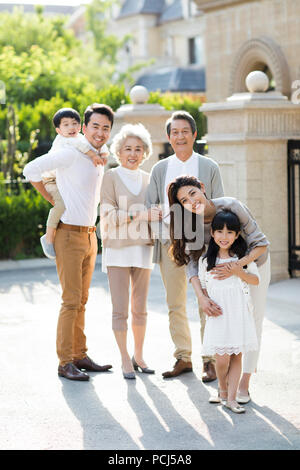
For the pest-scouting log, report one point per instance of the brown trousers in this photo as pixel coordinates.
(75, 260)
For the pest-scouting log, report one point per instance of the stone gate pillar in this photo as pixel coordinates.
(247, 136)
(152, 116)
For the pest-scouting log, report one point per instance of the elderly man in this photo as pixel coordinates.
(78, 182)
(181, 132)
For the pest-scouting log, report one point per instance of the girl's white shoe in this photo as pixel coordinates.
(243, 399)
(235, 407)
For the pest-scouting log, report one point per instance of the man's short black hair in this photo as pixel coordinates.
(65, 113)
(184, 115)
(100, 109)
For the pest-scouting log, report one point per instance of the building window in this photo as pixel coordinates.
(196, 51)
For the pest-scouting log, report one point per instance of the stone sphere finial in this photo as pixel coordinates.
(139, 94)
(257, 82)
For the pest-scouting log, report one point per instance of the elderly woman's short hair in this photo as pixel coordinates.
(132, 130)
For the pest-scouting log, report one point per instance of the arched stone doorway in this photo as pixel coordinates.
(260, 54)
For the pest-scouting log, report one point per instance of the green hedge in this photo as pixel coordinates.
(23, 218)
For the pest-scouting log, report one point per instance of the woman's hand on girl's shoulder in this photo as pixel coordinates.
(236, 269)
(222, 271)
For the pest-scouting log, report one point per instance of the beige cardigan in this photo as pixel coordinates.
(116, 203)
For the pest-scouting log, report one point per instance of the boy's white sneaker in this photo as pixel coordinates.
(48, 248)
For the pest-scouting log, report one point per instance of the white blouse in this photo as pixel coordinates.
(138, 256)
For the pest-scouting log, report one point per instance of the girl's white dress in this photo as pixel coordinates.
(233, 332)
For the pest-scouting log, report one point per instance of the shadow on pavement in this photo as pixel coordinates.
(100, 429)
(166, 428)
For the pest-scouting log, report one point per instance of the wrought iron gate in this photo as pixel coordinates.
(294, 204)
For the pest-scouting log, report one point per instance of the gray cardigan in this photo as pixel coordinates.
(208, 173)
(250, 231)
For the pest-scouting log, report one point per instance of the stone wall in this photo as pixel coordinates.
(226, 29)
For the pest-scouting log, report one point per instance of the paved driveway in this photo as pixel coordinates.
(39, 410)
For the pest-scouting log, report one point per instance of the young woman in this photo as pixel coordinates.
(187, 194)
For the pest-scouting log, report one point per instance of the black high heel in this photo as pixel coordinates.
(145, 370)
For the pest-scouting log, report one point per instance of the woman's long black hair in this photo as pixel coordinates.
(239, 247)
(182, 216)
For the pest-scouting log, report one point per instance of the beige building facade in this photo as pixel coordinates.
(163, 35)
(246, 35)
(160, 35)
(255, 137)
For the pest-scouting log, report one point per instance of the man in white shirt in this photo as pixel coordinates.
(182, 132)
(79, 183)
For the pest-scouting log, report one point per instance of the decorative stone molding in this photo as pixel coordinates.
(253, 117)
(254, 55)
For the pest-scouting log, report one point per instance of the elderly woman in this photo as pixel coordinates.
(187, 194)
(127, 244)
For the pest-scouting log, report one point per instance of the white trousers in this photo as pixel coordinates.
(259, 298)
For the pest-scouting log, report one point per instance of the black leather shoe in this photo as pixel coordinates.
(87, 364)
(71, 372)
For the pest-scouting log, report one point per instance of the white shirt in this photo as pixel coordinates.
(177, 168)
(78, 182)
(138, 256)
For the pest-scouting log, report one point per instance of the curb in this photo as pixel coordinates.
(37, 263)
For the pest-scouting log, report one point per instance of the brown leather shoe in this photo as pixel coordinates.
(180, 367)
(70, 371)
(209, 372)
(87, 364)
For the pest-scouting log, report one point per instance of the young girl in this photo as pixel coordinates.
(232, 333)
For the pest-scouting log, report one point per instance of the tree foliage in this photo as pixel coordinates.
(107, 45)
(21, 31)
(44, 67)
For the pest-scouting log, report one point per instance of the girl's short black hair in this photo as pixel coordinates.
(65, 113)
(232, 222)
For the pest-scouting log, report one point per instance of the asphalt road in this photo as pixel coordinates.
(41, 411)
